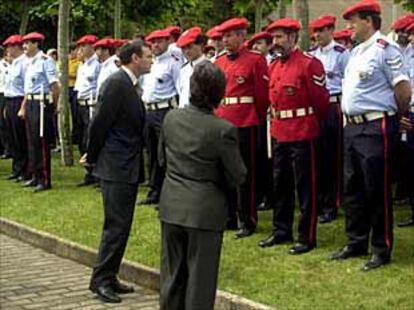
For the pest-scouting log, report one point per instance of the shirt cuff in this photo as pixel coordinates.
(399, 79)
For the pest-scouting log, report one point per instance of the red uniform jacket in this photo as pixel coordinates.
(247, 77)
(297, 85)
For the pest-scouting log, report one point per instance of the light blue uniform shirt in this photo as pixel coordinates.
(87, 78)
(409, 63)
(374, 68)
(41, 73)
(161, 83)
(14, 83)
(334, 58)
(108, 67)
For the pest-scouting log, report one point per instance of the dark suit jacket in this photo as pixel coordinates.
(202, 158)
(116, 133)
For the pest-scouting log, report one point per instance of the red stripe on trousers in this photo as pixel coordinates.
(384, 128)
(44, 168)
(313, 211)
(253, 177)
(339, 159)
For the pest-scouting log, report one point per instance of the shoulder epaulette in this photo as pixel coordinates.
(45, 57)
(382, 43)
(339, 48)
(312, 49)
(184, 64)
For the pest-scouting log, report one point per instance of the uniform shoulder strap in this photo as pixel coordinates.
(339, 48)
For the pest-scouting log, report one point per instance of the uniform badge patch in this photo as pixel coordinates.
(363, 75)
(240, 80)
(290, 91)
(330, 74)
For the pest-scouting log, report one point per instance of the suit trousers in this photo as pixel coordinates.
(17, 134)
(369, 151)
(330, 160)
(119, 204)
(153, 125)
(189, 267)
(39, 147)
(294, 167)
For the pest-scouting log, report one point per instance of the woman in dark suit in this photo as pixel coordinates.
(201, 155)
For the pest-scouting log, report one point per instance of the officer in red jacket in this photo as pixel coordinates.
(245, 104)
(299, 101)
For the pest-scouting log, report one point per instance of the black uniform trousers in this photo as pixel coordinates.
(189, 267)
(294, 167)
(119, 204)
(4, 130)
(264, 167)
(84, 114)
(153, 125)
(369, 150)
(74, 113)
(410, 144)
(39, 147)
(17, 135)
(330, 160)
(244, 200)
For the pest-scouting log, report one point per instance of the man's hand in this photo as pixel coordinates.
(84, 161)
(22, 113)
(407, 124)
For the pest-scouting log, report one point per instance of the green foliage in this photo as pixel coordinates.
(407, 4)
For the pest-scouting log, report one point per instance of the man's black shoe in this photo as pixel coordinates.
(244, 232)
(20, 178)
(327, 217)
(40, 188)
(30, 183)
(120, 288)
(12, 177)
(148, 201)
(264, 207)
(301, 248)
(347, 252)
(376, 261)
(86, 183)
(275, 239)
(107, 294)
(406, 223)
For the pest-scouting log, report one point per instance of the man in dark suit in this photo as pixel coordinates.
(115, 147)
(202, 158)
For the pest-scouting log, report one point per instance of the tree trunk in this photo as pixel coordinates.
(301, 12)
(259, 15)
(25, 17)
(281, 9)
(117, 20)
(63, 104)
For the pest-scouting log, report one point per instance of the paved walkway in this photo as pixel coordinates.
(31, 278)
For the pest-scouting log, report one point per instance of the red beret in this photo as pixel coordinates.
(214, 33)
(403, 22)
(410, 28)
(322, 22)
(87, 39)
(119, 42)
(106, 43)
(189, 36)
(259, 36)
(173, 30)
(158, 34)
(233, 24)
(363, 5)
(34, 36)
(284, 23)
(15, 39)
(344, 34)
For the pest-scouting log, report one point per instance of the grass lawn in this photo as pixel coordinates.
(270, 276)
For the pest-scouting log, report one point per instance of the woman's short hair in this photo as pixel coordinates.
(207, 85)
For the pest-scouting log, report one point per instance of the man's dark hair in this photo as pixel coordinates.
(207, 85)
(289, 31)
(1, 52)
(201, 40)
(375, 17)
(128, 49)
